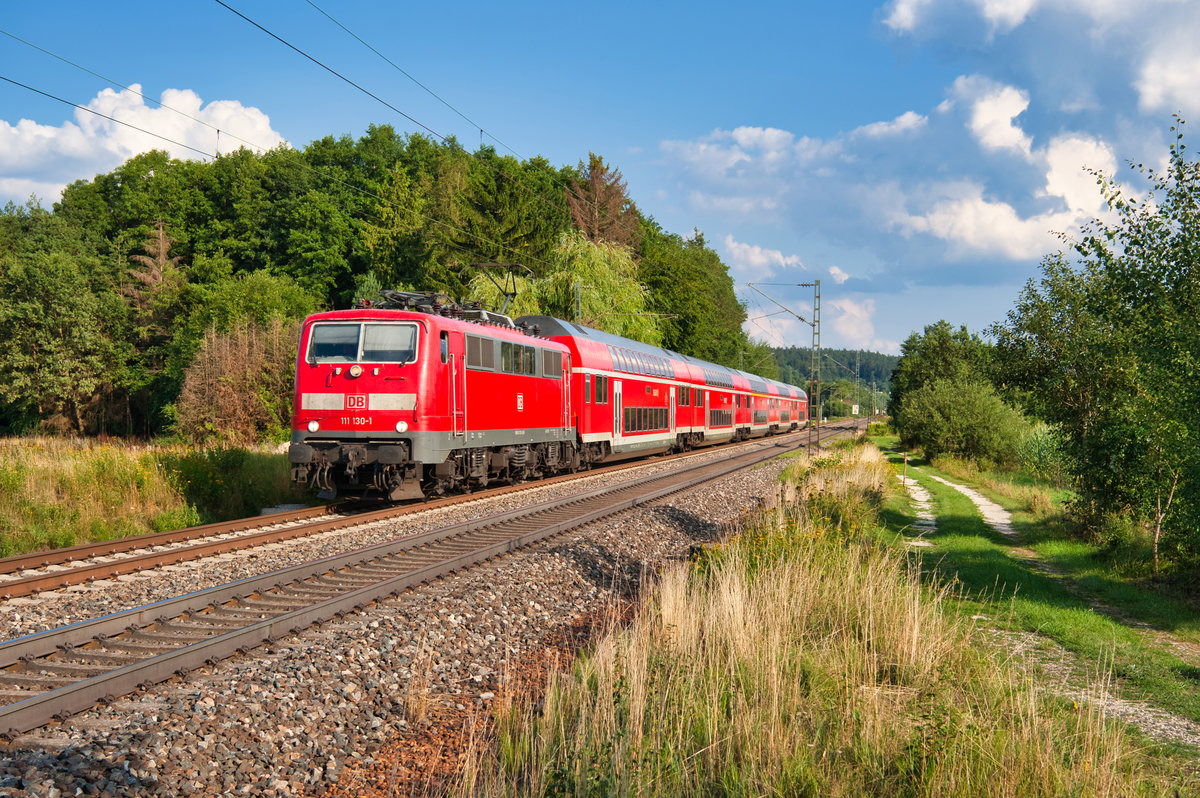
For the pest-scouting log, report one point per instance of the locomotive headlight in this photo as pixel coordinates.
(401, 426)
(356, 370)
(314, 425)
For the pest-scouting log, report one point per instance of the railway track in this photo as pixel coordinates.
(63, 671)
(59, 568)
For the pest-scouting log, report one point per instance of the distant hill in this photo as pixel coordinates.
(795, 364)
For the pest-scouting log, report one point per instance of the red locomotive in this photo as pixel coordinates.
(418, 396)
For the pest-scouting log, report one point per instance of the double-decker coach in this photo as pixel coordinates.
(633, 398)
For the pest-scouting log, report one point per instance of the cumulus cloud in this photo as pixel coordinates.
(751, 262)
(855, 323)
(1005, 14)
(906, 14)
(1068, 160)
(838, 275)
(972, 222)
(46, 157)
(994, 106)
(1169, 79)
(907, 121)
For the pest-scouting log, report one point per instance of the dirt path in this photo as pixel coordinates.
(1056, 661)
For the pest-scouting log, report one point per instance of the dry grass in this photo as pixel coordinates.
(802, 659)
(57, 492)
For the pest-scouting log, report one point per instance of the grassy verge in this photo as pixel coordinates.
(56, 492)
(1077, 602)
(806, 657)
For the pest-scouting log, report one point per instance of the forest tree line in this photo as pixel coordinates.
(144, 296)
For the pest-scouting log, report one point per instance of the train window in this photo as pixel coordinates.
(333, 343)
(528, 360)
(481, 352)
(371, 343)
(445, 344)
(389, 343)
(587, 388)
(552, 364)
(506, 357)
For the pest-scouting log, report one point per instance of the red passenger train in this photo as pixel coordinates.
(417, 395)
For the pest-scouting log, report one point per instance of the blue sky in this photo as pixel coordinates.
(919, 157)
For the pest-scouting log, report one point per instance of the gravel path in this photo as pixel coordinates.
(302, 715)
(1062, 665)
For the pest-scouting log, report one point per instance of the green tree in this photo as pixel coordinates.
(938, 353)
(1109, 351)
(58, 338)
(602, 275)
(962, 418)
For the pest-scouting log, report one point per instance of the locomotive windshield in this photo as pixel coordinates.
(362, 343)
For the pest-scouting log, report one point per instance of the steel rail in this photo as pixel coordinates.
(42, 707)
(47, 557)
(83, 573)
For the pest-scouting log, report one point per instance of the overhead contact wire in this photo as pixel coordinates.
(385, 103)
(401, 70)
(332, 71)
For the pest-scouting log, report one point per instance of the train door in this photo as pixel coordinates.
(566, 391)
(618, 413)
(671, 410)
(704, 408)
(452, 351)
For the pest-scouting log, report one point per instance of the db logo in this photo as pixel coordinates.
(356, 401)
(520, 402)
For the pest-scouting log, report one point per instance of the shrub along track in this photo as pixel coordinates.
(63, 671)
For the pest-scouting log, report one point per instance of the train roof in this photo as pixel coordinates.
(715, 375)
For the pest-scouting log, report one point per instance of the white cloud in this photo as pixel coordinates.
(751, 262)
(706, 157)
(47, 157)
(905, 13)
(1169, 79)
(974, 223)
(1005, 14)
(994, 106)
(855, 323)
(909, 120)
(838, 275)
(1067, 158)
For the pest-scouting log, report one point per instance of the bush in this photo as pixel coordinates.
(1040, 455)
(962, 418)
(238, 390)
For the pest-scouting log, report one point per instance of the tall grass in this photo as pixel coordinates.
(802, 658)
(57, 492)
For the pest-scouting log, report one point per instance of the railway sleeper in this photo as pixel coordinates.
(99, 656)
(271, 603)
(174, 634)
(246, 614)
(35, 683)
(54, 666)
(205, 622)
(136, 645)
